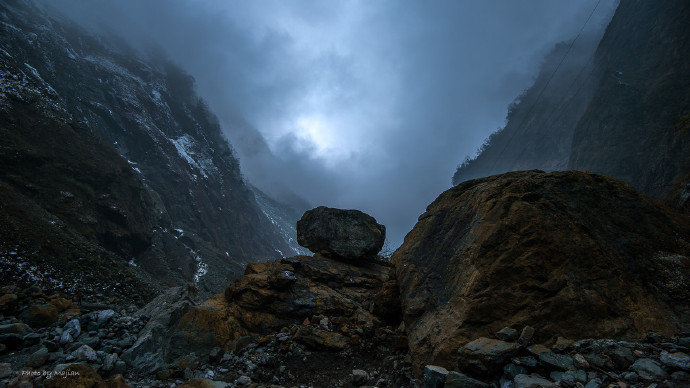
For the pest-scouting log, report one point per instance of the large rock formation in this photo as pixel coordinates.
(340, 234)
(569, 253)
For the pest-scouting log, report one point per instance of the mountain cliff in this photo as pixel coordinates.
(623, 114)
(201, 222)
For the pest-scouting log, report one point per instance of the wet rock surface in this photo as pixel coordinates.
(340, 234)
(570, 254)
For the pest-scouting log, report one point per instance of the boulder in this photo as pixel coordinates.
(340, 234)
(570, 254)
(40, 315)
(485, 356)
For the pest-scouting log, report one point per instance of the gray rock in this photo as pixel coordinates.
(648, 369)
(526, 336)
(532, 381)
(243, 381)
(621, 356)
(340, 234)
(38, 358)
(485, 356)
(511, 370)
(70, 332)
(675, 360)
(434, 376)
(459, 380)
(507, 334)
(631, 377)
(593, 383)
(559, 361)
(359, 377)
(85, 353)
(104, 316)
(147, 353)
(109, 362)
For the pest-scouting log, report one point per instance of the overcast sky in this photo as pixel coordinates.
(354, 104)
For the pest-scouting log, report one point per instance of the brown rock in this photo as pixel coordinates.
(40, 315)
(569, 253)
(319, 339)
(61, 304)
(274, 295)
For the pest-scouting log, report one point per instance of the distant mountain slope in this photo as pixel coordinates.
(629, 119)
(539, 125)
(206, 222)
(635, 127)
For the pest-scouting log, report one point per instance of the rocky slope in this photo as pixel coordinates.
(304, 320)
(201, 222)
(624, 114)
(572, 254)
(635, 127)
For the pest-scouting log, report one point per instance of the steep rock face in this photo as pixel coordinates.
(205, 220)
(341, 234)
(540, 122)
(624, 114)
(635, 127)
(70, 206)
(569, 253)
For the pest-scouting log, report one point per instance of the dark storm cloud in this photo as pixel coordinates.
(367, 105)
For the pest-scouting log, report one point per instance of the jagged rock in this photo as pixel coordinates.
(434, 376)
(526, 336)
(104, 316)
(485, 356)
(570, 253)
(85, 353)
(340, 234)
(459, 380)
(70, 332)
(148, 352)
